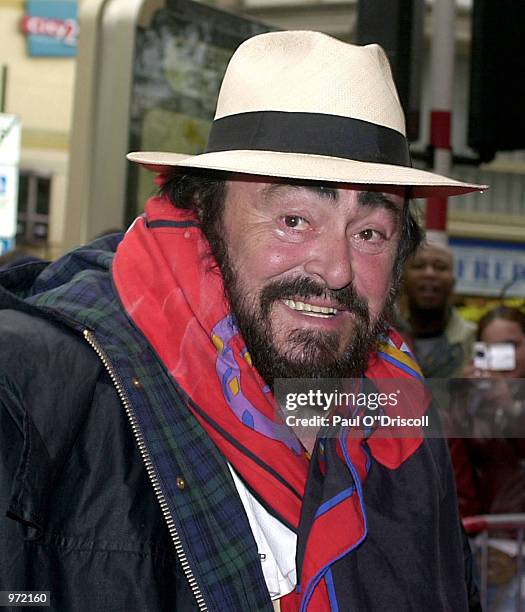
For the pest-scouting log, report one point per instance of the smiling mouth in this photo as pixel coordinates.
(428, 290)
(310, 310)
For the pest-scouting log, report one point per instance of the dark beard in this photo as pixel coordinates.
(320, 355)
(309, 354)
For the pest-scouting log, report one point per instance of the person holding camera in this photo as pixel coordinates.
(489, 460)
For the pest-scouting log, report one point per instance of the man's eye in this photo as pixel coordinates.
(369, 235)
(294, 221)
(370, 241)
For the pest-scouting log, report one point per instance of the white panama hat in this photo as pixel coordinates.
(304, 105)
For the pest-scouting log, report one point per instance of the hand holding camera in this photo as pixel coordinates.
(495, 356)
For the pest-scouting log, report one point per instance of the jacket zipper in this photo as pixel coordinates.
(181, 555)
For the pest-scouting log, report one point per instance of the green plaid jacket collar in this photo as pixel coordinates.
(206, 512)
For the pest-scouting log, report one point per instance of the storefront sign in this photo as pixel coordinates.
(491, 268)
(9, 160)
(6, 244)
(51, 27)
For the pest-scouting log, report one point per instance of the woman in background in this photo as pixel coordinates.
(490, 463)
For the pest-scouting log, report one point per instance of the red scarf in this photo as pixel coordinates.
(169, 288)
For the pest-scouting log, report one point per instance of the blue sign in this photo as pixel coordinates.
(6, 244)
(51, 27)
(491, 268)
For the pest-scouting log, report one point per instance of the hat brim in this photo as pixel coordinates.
(310, 167)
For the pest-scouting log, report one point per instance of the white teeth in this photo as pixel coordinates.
(313, 311)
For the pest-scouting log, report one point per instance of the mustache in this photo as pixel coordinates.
(344, 299)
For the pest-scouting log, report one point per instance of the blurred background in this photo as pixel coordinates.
(85, 81)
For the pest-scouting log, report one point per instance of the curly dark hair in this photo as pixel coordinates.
(204, 191)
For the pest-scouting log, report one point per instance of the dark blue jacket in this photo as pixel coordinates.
(113, 498)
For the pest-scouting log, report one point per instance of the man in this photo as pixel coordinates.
(276, 253)
(442, 339)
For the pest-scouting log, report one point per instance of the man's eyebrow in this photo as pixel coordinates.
(378, 199)
(320, 190)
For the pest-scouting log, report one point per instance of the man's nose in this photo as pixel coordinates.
(331, 262)
(429, 270)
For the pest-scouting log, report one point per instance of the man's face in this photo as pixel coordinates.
(429, 278)
(308, 272)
